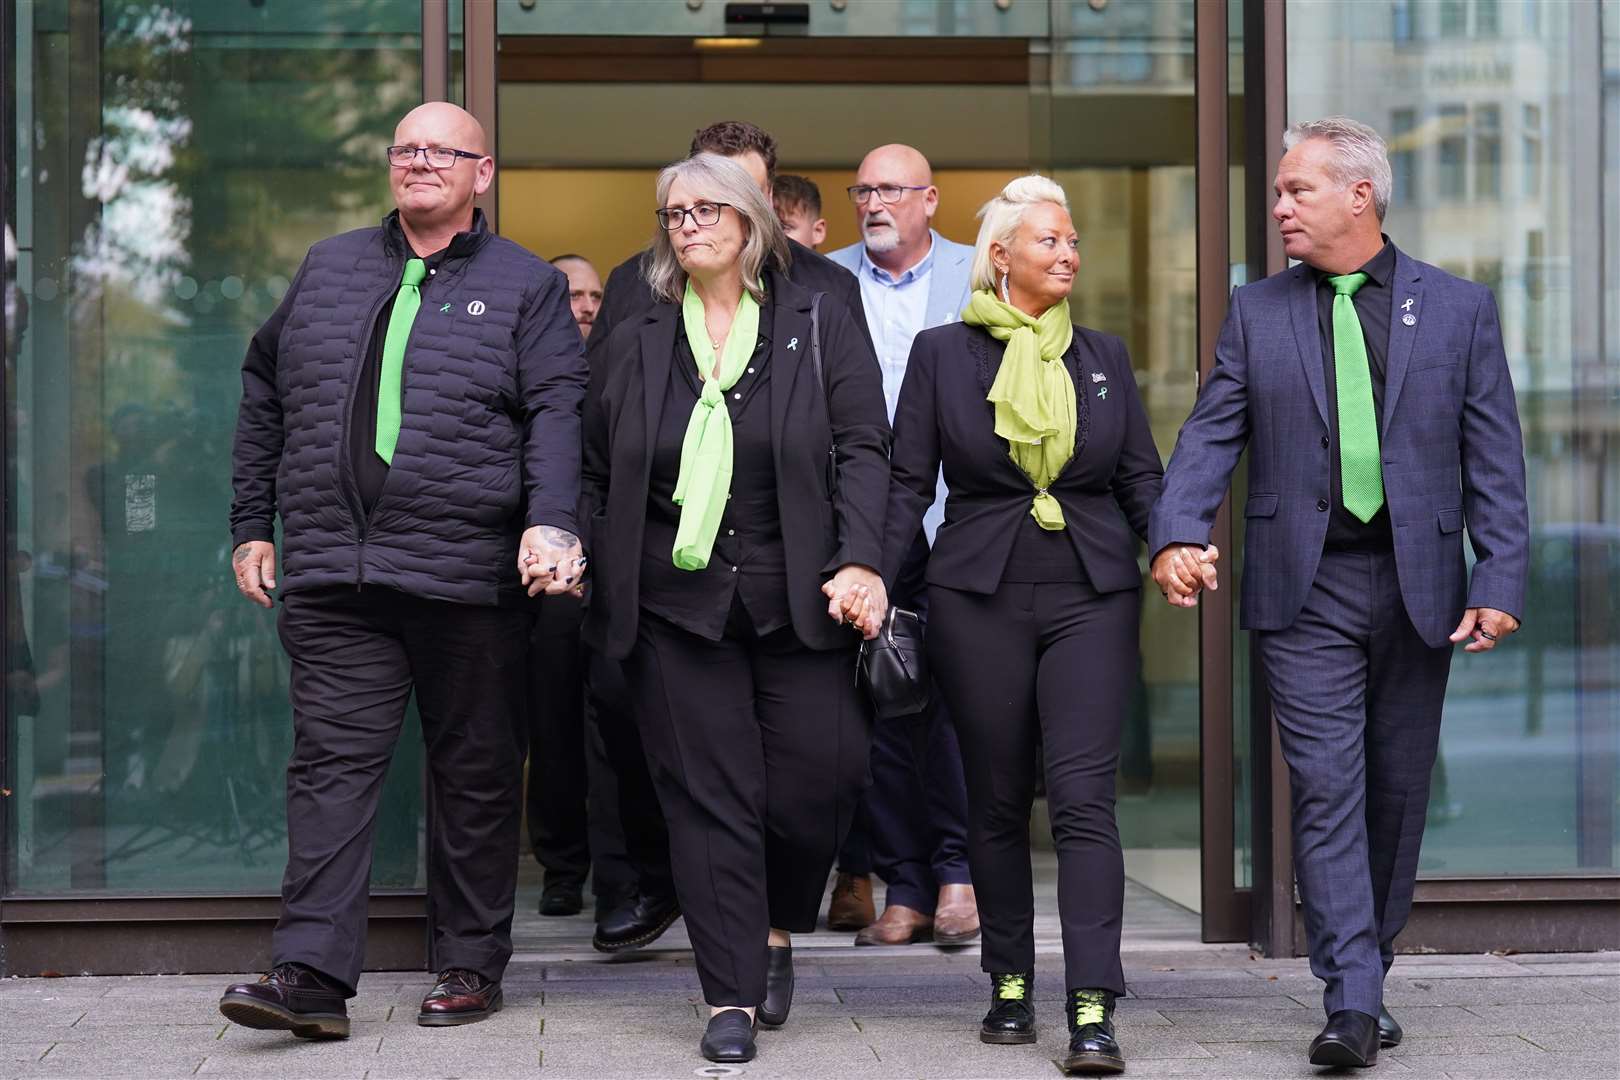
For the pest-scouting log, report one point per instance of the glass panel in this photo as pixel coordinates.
(1538, 718)
(173, 162)
(1245, 266)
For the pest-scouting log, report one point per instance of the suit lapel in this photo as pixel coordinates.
(943, 286)
(1406, 299)
(657, 361)
(790, 356)
(1308, 334)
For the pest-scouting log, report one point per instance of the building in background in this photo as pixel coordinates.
(165, 163)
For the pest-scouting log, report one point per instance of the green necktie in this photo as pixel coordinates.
(1362, 477)
(389, 388)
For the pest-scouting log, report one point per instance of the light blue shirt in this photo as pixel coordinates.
(896, 312)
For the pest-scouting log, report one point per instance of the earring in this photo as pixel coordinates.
(1005, 299)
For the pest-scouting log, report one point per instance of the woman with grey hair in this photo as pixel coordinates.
(1034, 594)
(734, 485)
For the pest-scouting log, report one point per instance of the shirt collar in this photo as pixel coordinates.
(1380, 269)
(461, 245)
(882, 276)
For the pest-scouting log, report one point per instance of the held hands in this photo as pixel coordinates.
(1486, 626)
(254, 564)
(1182, 570)
(551, 560)
(855, 597)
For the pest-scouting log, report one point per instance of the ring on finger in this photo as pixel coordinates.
(1486, 634)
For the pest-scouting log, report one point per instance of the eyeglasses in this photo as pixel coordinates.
(889, 193)
(704, 214)
(439, 157)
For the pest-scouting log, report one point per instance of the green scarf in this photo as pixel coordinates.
(1033, 393)
(704, 482)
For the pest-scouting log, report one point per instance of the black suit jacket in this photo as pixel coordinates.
(820, 532)
(627, 295)
(1106, 491)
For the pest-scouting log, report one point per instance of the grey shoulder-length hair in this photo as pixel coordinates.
(717, 179)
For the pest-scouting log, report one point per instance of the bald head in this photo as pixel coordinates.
(896, 160)
(436, 203)
(451, 125)
(897, 234)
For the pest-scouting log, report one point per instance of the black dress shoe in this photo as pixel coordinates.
(1011, 1018)
(1092, 1046)
(291, 998)
(563, 898)
(778, 986)
(1389, 1032)
(636, 924)
(729, 1037)
(1349, 1041)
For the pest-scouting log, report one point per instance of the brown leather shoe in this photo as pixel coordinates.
(956, 918)
(851, 905)
(460, 997)
(291, 998)
(898, 925)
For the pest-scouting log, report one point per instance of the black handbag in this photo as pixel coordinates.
(895, 668)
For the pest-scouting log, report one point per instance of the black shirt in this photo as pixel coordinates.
(1049, 555)
(371, 471)
(1373, 303)
(748, 563)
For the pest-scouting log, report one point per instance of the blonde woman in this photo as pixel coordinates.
(1034, 594)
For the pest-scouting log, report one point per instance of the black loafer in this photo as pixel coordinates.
(729, 1038)
(1348, 1041)
(1093, 1049)
(1011, 1019)
(562, 898)
(292, 998)
(1389, 1032)
(636, 924)
(773, 1012)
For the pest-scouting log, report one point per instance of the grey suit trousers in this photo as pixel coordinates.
(1357, 698)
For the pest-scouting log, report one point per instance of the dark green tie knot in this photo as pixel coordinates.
(1347, 284)
(416, 272)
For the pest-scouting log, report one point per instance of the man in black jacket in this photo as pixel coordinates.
(648, 913)
(411, 412)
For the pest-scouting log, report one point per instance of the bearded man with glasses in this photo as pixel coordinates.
(410, 411)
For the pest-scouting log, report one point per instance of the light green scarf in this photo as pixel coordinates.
(1033, 393)
(704, 482)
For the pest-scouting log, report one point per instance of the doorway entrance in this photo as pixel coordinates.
(591, 102)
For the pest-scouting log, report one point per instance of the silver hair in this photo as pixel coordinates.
(718, 179)
(1359, 154)
(1002, 216)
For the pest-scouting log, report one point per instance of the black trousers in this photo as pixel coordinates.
(758, 752)
(558, 777)
(629, 799)
(1048, 664)
(915, 811)
(1357, 696)
(357, 656)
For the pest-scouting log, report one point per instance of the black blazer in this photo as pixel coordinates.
(1106, 490)
(819, 533)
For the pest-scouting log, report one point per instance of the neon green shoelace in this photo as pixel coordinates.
(1011, 987)
(1090, 1007)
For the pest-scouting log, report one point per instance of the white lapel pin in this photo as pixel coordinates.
(794, 344)
(1097, 376)
(1408, 319)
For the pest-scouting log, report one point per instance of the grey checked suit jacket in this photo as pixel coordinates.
(1453, 453)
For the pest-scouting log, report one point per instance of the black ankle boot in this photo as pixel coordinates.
(1011, 1018)
(1092, 1047)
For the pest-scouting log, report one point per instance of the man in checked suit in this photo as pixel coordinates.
(1373, 394)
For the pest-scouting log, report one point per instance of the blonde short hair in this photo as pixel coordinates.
(719, 179)
(1002, 216)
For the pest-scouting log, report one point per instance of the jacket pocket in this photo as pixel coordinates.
(1434, 360)
(1451, 521)
(1260, 506)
